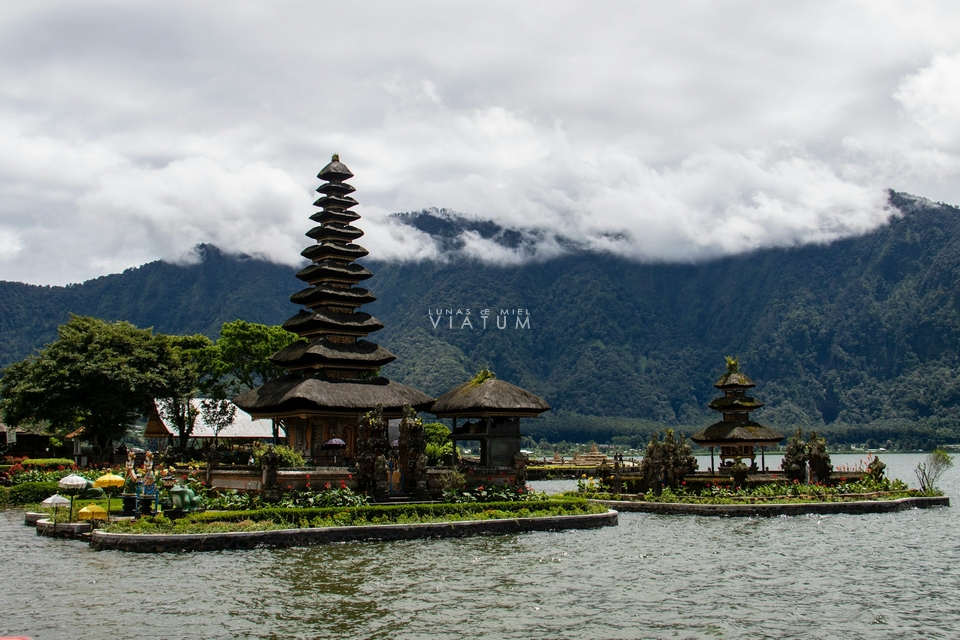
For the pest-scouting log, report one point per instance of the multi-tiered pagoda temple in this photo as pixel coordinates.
(333, 371)
(736, 435)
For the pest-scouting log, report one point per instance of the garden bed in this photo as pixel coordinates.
(238, 530)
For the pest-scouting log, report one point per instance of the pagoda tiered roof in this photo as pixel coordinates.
(735, 403)
(332, 368)
(733, 380)
(745, 432)
(736, 428)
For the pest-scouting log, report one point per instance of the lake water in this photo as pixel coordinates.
(869, 576)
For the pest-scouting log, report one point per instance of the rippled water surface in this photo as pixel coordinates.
(869, 576)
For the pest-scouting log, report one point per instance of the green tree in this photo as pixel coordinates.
(820, 465)
(439, 446)
(667, 461)
(794, 463)
(932, 469)
(244, 350)
(195, 372)
(98, 376)
(219, 414)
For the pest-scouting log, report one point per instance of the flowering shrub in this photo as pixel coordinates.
(587, 485)
(20, 475)
(491, 493)
(794, 491)
(342, 496)
(232, 500)
(48, 463)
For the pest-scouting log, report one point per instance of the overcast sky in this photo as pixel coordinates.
(132, 131)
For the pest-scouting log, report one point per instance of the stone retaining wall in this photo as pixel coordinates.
(62, 529)
(768, 510)
(302, 537)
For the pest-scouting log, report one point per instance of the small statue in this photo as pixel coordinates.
(380, 468)
(130, 476)
(149, 485)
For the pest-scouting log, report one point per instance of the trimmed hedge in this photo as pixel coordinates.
(369, 512)
(47, 464)
(27, 493)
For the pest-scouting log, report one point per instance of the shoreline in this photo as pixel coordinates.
(777, 509)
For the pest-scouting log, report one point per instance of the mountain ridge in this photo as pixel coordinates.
(840, 336)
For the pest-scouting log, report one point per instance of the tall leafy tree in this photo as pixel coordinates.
(196, 372)
(244, 350)
(97, 375)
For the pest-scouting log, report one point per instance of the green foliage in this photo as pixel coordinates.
(29, 493)
(666, 462)
(342, 496)
(491, 493)
(384, 514)
(272, 519)
(244, 349)
(194, 371)
(932, 469)
(284, 455)
(439, 448)
(97, 375)
(47, 463)
(778, 493)
(483, 376)
(858, 339)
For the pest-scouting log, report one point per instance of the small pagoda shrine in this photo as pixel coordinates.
(737, 436)
(492, 409)
(333, 377)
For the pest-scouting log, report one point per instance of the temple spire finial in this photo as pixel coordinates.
(733, 364)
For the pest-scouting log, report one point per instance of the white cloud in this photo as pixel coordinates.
(658, 131)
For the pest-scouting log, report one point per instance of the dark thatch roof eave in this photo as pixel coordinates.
(358, 323)
(733, 433)
(322, 351)
(737, 402)
(318, 394)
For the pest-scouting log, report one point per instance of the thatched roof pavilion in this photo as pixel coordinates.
(488, 397)
(497, 406)
(333, 371)
(736, 434)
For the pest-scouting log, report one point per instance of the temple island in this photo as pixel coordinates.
(351, 424)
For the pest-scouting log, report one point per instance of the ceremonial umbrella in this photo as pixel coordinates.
(334, 443)
(92, 512)
(56, 501)
(72, 485)
(109, 483)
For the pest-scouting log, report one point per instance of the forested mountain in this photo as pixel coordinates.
(860, 337)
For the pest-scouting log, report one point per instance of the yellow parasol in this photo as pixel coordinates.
(92, 512)
(109, 482)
